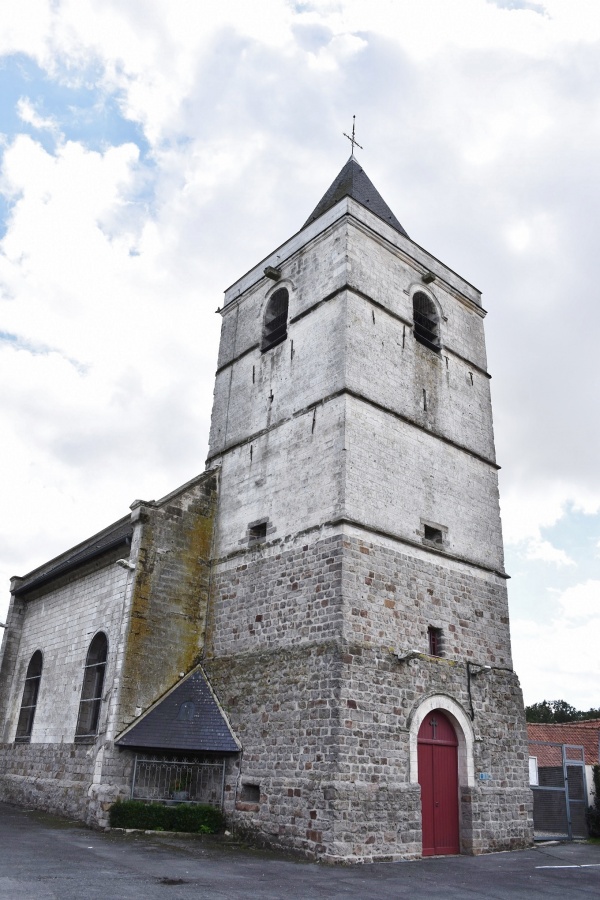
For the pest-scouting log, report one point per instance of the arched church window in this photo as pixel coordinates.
(275, 322)
(91, 690)
(30, 697)
(425, 317)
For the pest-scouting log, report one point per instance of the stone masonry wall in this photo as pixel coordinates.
(393, 594)
(323, 707)
(61, 620)
(385, 274)
(155, 630)
(458, 394)
(54, 777)
(428, 480)
(277, 595)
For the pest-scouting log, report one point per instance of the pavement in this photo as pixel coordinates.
(44, 857)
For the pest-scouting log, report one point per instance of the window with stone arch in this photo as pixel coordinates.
(426, 319)
(275, 321)
(91, 690)
(31, 690)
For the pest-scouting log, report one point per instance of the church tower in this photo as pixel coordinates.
(358, 635)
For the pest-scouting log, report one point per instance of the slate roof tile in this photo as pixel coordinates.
(116, 535)
(188, 718)
(354, 182)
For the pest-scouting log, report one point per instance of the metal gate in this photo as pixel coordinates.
(557, 778)
(178, 779)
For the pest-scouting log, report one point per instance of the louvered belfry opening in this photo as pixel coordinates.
(426, 322)
(275, 326)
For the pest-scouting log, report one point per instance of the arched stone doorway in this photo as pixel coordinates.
(438, 776)
(463, 731)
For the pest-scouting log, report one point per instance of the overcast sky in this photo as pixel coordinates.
(151, 151)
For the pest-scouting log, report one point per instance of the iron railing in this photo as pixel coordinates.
(164, 779)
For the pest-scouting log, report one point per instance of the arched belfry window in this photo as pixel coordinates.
(30, 696)
(425, 317)
(275, 322)
(91, 691)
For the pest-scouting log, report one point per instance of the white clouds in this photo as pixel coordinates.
(546, 552)
(556, 656)
(480, 125)
(28, 113)
(110, 391)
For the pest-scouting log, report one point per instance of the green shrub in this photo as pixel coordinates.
(196, 818)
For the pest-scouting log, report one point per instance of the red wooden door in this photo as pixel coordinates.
(438, 777)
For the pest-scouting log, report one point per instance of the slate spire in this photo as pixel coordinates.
(354, 182)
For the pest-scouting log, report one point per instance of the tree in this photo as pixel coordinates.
(556, 711)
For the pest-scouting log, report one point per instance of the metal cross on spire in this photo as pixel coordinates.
(352, 139)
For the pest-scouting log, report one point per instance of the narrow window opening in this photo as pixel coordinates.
(91, 690)
(257, 532)
(424, 399)
(433, 534)
(426, 321)
(29, 701)
(275, 323)
(250, 793)
(434, 636)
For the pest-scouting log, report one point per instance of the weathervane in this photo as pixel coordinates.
(352, 139)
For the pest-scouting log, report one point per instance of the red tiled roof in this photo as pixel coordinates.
(586, 732)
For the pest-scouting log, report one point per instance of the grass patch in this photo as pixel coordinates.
(198, 819)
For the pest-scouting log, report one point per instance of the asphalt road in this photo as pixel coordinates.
(43, 857)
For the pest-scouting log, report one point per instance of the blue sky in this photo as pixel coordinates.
(81, 109)
(151, 154)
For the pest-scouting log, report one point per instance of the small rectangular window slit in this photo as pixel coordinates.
(424, 399)
(434, 636)
(250, 793)
(471, 377)
(253, 374)
(433, 534)
(403, 336)
(257, 532)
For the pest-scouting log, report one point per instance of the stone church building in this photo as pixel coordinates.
(313, 632)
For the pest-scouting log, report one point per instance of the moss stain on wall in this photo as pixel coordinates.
(170, 594)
